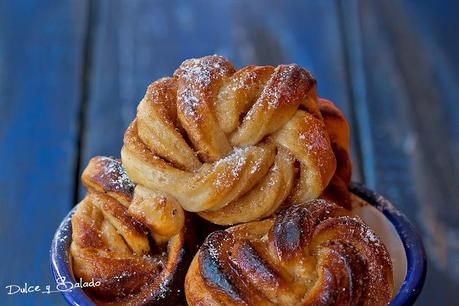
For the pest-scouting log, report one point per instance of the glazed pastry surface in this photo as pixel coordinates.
(339, 133)
(232, 145)
(309, 254)
(134, 263)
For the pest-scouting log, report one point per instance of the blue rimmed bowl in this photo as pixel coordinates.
(411, 267)
(61, 264)
(399, 235)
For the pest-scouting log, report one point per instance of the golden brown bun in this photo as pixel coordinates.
(309, 254)
(230, 145)
(111, 246)
(339, 132)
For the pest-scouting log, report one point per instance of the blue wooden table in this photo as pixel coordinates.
(72, 73)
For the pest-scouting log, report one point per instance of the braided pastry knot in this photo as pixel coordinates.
(309, 254)
(231, 145)
(110, 245)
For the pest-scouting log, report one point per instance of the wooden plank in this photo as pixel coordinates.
(41, 45)
(409, 99)
(138, 41)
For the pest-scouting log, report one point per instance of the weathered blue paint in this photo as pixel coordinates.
(390, 65)
(41, 45)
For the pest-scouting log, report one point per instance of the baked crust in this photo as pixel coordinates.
(133, 263)
(339, 133)
(309, 254)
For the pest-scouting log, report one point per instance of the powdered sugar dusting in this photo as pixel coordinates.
(243, 83)
(369, 236)
(115, 176)
(274, 178)
(236, 161)
(213, 252)
(163, 289)
(256, 166)
(197, 76)
(190, 102)
(203, 70)
(283, 85)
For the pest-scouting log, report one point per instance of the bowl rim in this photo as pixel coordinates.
(60, 263)
(412, 243)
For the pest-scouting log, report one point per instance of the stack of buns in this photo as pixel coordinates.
(253, 162)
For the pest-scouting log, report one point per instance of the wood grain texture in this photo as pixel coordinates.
(137, 42)
(391, 66)
(41, 46)
(408, 53)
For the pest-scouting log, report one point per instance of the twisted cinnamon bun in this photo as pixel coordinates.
(230, 144)
(129, 241)
(339, 133)
(309, 254)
